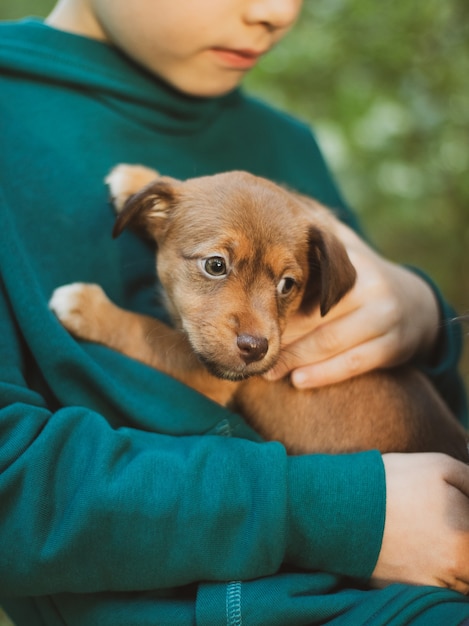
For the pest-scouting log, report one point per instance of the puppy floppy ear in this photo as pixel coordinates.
(331, 273)
(147, 210)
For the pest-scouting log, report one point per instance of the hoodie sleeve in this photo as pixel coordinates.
(442, 365)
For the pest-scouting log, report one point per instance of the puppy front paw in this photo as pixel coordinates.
(125, 180)
(80, 307)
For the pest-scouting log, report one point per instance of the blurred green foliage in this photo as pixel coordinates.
(386, 87)
(15, 9)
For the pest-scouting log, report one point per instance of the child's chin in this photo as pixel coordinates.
(209, 88)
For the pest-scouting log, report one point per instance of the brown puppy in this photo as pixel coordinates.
(236, 256)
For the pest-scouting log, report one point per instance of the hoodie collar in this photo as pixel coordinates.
(30, 47)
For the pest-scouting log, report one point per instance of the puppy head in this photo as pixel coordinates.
(236, 255)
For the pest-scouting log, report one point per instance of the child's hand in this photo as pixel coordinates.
(426, 533)
(389, 316)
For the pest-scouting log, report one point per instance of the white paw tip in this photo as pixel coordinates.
(64, 299)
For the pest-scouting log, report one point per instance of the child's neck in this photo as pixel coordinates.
(74, 17)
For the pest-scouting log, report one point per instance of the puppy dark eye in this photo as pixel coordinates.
(286, 285)
(215, 266)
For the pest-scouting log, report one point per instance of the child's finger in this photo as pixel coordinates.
(353, 362)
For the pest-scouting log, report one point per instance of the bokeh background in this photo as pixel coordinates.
(386, 88)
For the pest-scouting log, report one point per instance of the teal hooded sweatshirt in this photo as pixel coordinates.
(127, 499)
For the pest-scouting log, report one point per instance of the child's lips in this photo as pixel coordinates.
(237, 59)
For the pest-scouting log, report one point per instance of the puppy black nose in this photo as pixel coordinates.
(252, 348)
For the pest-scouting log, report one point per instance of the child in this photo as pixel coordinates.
(126, 498)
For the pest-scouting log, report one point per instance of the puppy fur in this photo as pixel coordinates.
(236, 256)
